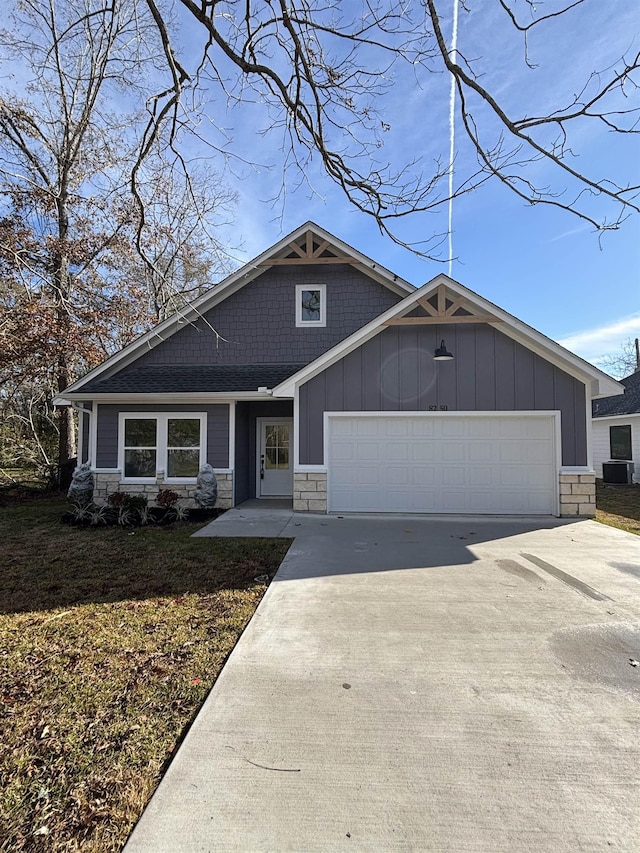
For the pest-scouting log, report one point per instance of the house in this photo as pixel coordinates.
(312, 373)
(615, 428)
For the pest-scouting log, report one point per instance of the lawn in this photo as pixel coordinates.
(110, 641)
(618, 506)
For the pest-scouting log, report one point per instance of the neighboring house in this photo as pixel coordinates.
(615, 428)
(310, 373)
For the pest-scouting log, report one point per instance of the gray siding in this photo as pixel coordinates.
(245, 467)
(217, 427)
(395, 371)
(257, 324)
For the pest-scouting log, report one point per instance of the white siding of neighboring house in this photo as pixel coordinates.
(600, 440)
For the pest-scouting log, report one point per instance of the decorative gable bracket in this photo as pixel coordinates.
(440, 309)
(308, 249)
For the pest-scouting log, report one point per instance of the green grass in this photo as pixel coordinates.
(618, 506)
(111, 639)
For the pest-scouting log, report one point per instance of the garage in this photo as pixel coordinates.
(475, 463)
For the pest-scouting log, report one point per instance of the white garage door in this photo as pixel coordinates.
(442, 464)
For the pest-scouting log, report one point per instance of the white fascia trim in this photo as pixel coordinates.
(172, 399)
(510, 325)
(603, 418)
(230, 285)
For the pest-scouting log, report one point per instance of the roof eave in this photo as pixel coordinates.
(163, 397)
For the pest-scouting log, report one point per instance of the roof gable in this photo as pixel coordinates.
(443, 301)
(308, 244)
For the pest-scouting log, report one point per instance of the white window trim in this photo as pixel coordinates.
(161, 419)
(300, 323)
(621, 426)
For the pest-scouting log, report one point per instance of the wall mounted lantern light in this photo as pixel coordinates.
(442, 354)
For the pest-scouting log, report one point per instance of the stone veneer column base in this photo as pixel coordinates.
(309, 491)
(577, 495)
(107, 484)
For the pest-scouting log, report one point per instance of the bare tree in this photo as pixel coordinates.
(323, 69)
(182, 211)
(625, 361)
(72, 290)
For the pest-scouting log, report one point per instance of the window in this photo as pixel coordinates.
(183, 447)
(174, 443)
(620, 442)
(311, 305)
(276, 447)
(140, 447)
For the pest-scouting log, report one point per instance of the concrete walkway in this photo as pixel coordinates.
(422, 685)
(253, 518)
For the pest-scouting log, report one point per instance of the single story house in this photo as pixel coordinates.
(615, 428)
(314, 373)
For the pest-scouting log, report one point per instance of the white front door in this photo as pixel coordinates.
(275, 457)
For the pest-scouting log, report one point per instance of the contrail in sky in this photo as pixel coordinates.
(452, 127)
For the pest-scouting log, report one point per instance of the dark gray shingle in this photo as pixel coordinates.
(195, 378)
(622, 404)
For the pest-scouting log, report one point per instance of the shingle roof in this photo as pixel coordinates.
(193, 378)
(622, 404)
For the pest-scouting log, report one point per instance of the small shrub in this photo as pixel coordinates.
(81, 513)
(167, 498)
(98, 515)
(118, 499)
(181, 511)
(125, 516)
(137, 502)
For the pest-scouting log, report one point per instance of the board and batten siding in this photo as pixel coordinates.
(217, 430)
(395, 371)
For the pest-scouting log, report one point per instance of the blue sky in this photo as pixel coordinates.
(543, 265)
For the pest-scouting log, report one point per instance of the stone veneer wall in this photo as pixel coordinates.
(309, 491)
(577, 494)
(106, 484)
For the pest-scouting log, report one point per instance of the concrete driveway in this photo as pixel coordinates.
(422, 685)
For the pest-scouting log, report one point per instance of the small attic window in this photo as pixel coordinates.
(311, 305)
